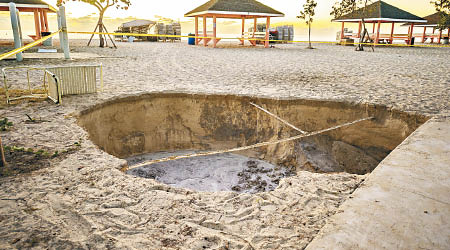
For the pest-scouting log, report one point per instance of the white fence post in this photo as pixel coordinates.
(65, 37)
(16, 30)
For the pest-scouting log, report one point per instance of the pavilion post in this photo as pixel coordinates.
(254, 27)
(41, 18)
(342, 30)
(214, 32)
(196, 31)
(253, 42)
(37, 24)
(359, 29)
(47, 29)
(243, 31)
(266, 43)
(439, 37)
(377, 40)
(391, 38)
(205, 40)
(432, 37)
(15, 28)
(411, 30)
(65, 37)
(424, 34)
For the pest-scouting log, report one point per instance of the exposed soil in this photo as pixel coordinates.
(22, 162)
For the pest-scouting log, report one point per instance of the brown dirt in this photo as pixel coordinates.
(22, 161)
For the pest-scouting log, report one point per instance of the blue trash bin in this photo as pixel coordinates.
(191, 40)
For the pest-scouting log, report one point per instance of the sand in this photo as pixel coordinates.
(85, 202)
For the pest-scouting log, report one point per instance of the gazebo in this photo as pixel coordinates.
(38, 7)
(432, 22)
(234, 9)
(378, 13)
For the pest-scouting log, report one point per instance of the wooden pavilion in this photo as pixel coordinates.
(378, 13)
(234, 9)
(432, 22)
(38, 7)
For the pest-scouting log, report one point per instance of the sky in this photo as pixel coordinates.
(175, 9)
(82, 16)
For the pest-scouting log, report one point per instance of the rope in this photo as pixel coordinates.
(252, 39)
(278, 118)
(258, 145)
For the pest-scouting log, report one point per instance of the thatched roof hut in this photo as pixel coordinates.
(237, 9)
(381, 11)
(234, 7)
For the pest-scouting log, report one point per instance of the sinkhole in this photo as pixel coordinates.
(155, 126)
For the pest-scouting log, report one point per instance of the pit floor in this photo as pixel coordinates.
(215, 173)
(85, 201)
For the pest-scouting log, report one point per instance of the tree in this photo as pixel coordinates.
(102, 6)
(307, 14)
(344, 7)
(443, 7)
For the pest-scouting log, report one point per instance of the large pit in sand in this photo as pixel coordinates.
(154, 126)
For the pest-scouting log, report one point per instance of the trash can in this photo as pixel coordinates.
(191, 40)
(131, 39)
(413, 39)
(48, 42)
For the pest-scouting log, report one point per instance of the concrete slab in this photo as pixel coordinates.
(403, 204)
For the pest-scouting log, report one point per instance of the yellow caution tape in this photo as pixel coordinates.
(252, 39)
(37, 42)
(30, 45)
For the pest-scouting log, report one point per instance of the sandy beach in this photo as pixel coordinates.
(83, 200)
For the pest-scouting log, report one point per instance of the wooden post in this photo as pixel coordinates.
(41, 18)
(424, 33)
(432, 37)
(214, 32)
(243, 31)
(342, 30)
(266, 43)
(439, 37)
(359, 29)
(254, 27)
(391, 38)
(47, 29)
(205, 40)
(2, 152)
(373, 29)
(411, 30)
(196, 30)
(377, 40)
(37, 24)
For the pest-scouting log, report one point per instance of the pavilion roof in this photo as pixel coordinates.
(381, 11)
(234, 7)
(28, 4)
(432, 20)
